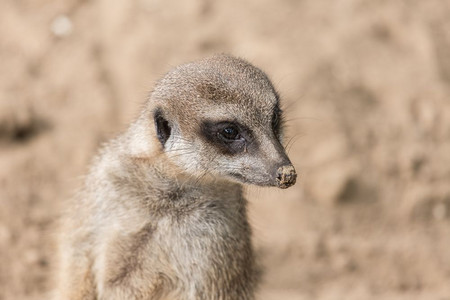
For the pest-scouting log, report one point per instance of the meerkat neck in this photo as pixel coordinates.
(150, 170)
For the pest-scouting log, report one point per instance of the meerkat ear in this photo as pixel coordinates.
(163, 129)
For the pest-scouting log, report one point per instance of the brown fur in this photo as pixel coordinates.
(167, 219)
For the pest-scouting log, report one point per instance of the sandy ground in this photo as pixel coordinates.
(366, 89)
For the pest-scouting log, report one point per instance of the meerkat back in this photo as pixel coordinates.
(162, 214)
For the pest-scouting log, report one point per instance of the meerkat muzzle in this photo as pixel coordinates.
(286, 176)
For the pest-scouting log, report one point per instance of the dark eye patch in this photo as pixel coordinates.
(277, 120)
(227, 136)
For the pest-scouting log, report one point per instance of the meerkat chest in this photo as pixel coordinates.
(207, 240)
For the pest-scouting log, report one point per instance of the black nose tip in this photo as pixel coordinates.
(286, 176)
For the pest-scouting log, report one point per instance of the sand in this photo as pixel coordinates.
(366, 91)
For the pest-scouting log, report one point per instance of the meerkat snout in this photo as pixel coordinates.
(286, 176)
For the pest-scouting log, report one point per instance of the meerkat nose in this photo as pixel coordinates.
(286, 176)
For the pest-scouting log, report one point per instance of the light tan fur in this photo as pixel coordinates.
(164, 217)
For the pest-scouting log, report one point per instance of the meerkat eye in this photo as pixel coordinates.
(229, 133)
(229, 137)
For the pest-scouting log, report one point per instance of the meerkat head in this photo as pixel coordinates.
(221, 116)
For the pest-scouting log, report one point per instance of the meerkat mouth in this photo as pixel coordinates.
(238, 176)
(285, 177)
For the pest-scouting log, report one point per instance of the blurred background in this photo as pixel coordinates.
(366, 90)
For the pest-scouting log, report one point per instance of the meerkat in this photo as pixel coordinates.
(162, 213)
